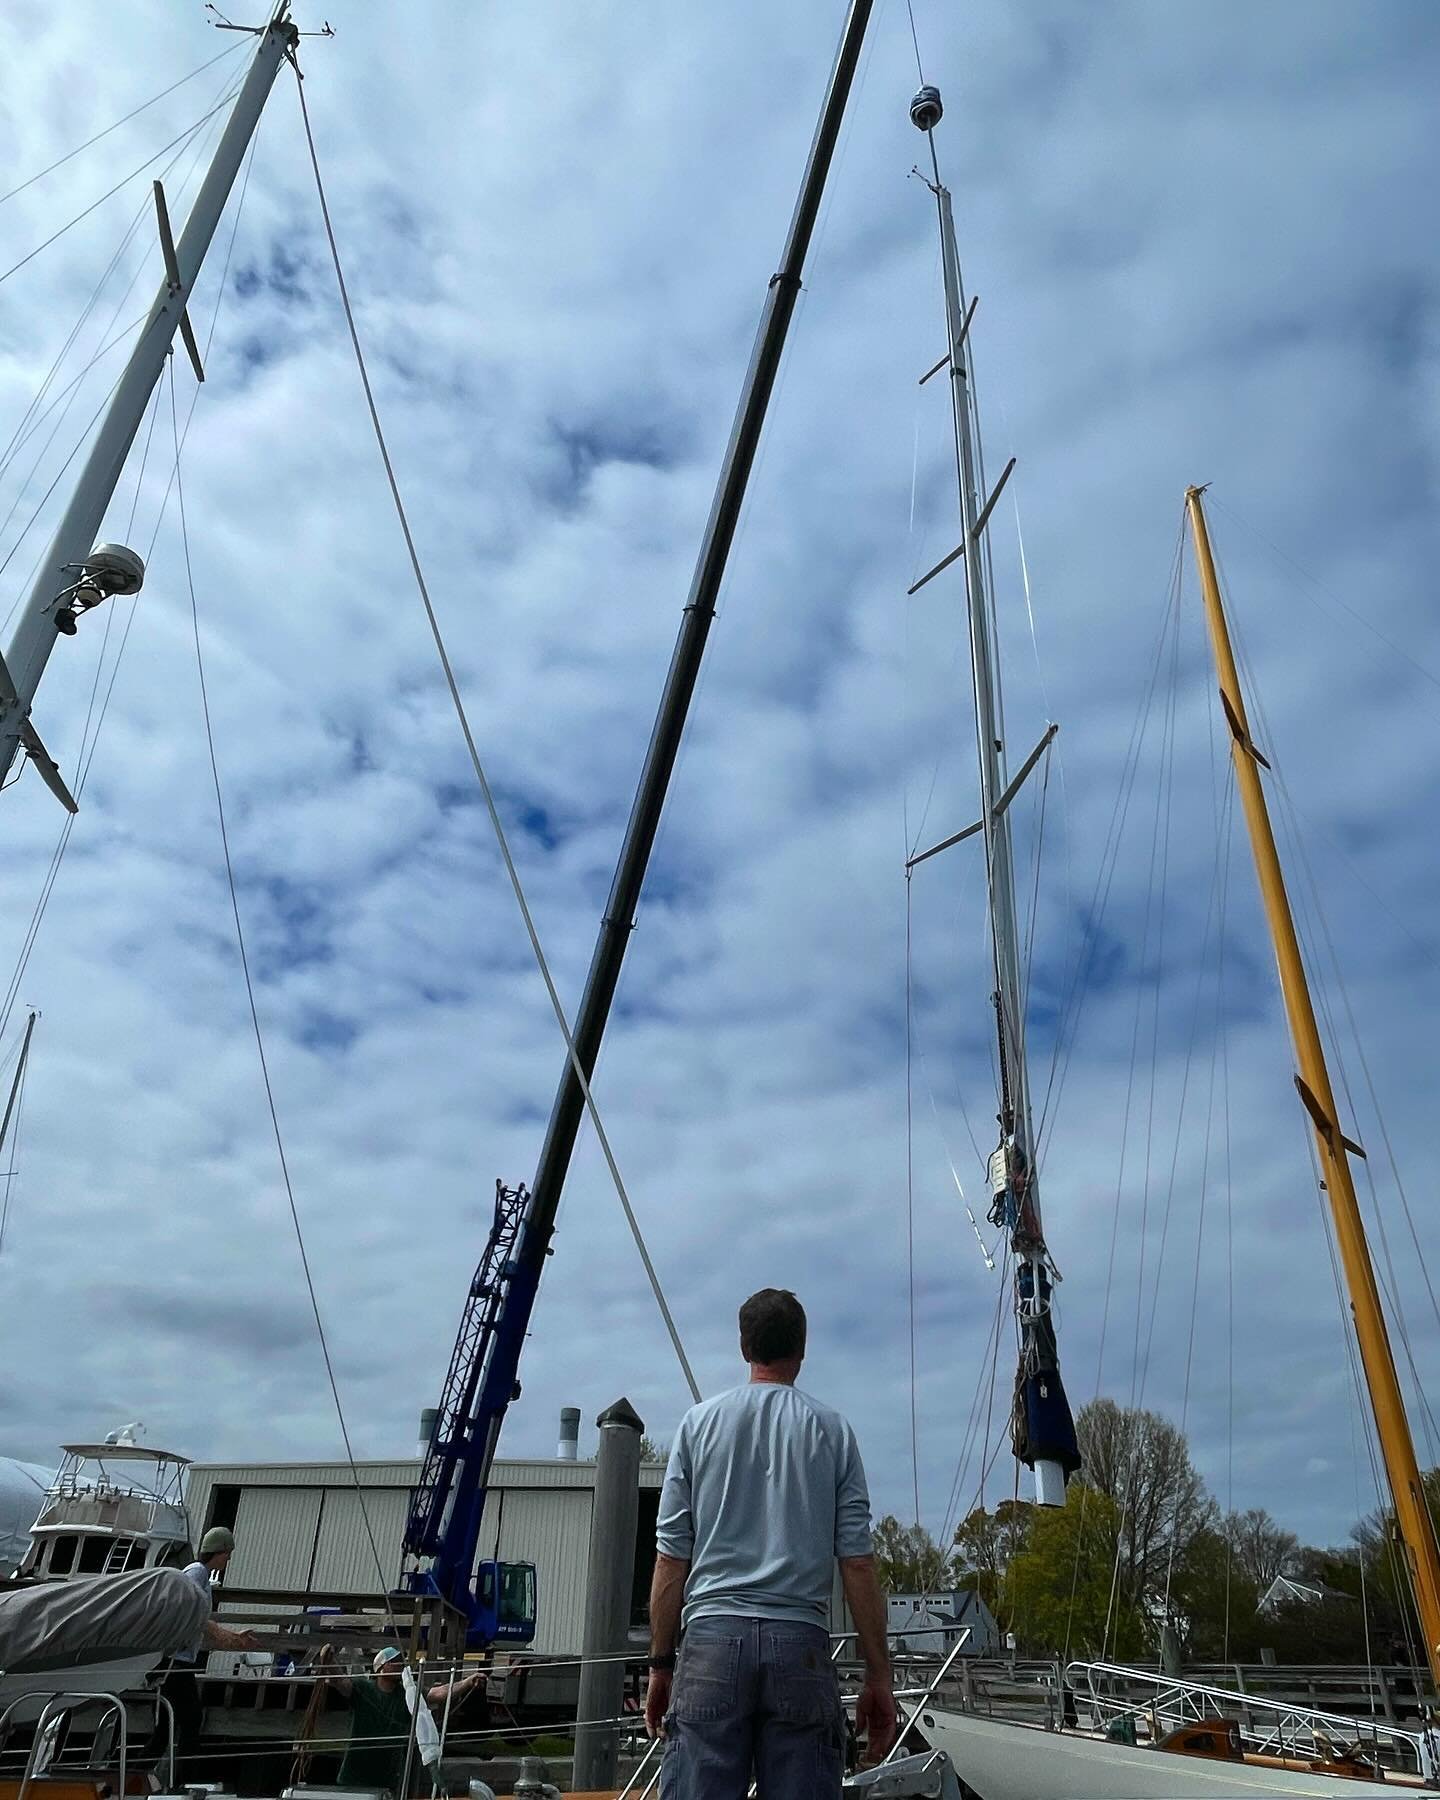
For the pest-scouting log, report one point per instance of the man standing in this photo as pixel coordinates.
(380, 1718)
(180, 1686)
(764, 1491)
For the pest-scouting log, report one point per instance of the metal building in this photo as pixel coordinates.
(929, 1624)
(299, 1526)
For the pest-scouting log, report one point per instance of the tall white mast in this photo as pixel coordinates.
(77, 573)
(1042, 1428)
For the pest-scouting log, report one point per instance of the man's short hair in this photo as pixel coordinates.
(772, 1327)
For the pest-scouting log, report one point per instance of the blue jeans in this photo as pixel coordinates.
(754, 1699)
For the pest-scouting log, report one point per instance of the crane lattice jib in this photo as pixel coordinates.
(460, 1436)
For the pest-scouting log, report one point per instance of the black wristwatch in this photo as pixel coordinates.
(663, 1664)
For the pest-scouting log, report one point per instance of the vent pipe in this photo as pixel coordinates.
(569, 1447)
(428, 1416)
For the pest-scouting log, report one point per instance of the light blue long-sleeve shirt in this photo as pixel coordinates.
(764, 1489)
(199, 1573)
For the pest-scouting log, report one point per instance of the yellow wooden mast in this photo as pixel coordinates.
(1313, 1084)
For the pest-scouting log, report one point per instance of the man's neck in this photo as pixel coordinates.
(774, 1374)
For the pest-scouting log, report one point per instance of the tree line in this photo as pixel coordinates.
(1141, 1549)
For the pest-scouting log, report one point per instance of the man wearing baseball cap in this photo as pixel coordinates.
(380, 1718)
(180, 1686)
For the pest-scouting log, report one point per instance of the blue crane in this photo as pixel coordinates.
(442, 1533)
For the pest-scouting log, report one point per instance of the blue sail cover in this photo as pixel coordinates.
(1047, 1429)
(1042, 1427)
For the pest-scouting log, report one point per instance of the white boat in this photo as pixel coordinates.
(999, 1758)
(112, 1508)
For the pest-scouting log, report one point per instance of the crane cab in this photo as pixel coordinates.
(504, 1603)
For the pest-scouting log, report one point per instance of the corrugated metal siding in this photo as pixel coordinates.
(310, 1474)
(274, 1537)
(344, 1560)
(552, 1530)
(197, 1497)
(504, 1474)
(286, 1539)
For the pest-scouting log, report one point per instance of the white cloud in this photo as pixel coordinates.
(1196, 246)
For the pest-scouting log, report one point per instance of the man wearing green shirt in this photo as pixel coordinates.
(380, 1719)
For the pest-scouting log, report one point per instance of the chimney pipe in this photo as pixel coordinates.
(569, 1447)
(428, 1416)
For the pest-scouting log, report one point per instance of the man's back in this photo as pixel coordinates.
(764, 1490)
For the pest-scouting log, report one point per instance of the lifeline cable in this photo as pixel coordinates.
(495, 821)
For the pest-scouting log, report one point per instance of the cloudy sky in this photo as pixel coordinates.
(1203, 252)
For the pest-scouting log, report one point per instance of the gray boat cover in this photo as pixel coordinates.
(92, 1618)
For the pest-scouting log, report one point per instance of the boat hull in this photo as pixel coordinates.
(1002, 1759)
(34, 1689)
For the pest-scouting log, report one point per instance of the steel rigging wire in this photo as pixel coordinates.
(139, 169)
(482, 781)
(135, 111)
(62, 844)
(260, 1049)
(29, 423)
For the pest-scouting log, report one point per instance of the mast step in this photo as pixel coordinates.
(989, 505)
(1237, 730)
(47, 766)
(1324, 1124)
(172, 275)
(1000, 805)
(939, 568)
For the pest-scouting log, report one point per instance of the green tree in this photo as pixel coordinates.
(1213, 1601)
(651, 1452)
(909, 1561)
(1059, 1588)
(986, 1543)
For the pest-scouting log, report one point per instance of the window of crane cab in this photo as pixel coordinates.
(517, 1594)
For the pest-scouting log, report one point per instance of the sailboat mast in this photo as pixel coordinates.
(985, 674)
(1042, 1427)
(1313, 1084)
(74, 574)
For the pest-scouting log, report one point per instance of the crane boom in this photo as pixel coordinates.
(483, 1371)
